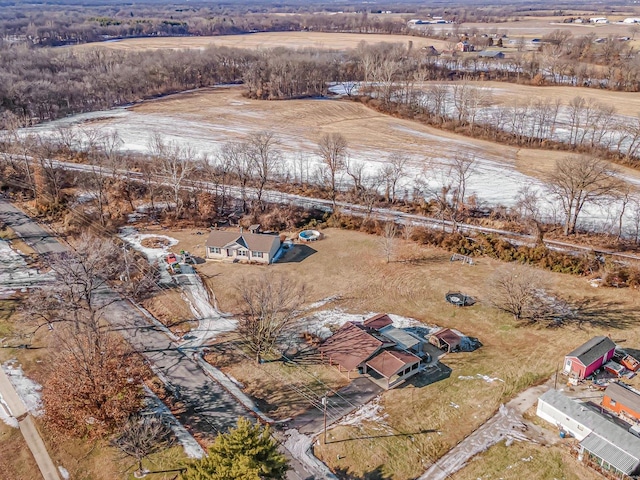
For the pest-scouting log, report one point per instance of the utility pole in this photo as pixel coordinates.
(324, 404)
(555, 385)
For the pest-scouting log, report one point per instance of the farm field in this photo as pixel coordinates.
(625, 103)
(204, 120)
(349, 264)
(320, 40)
(536, 27)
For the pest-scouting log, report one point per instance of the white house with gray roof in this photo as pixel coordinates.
(603, 441)
(241, 246)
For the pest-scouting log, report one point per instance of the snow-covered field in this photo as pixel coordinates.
(227, 116)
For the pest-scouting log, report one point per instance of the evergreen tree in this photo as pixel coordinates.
(246, 452)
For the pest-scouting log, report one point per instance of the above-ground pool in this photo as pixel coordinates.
(309, 235)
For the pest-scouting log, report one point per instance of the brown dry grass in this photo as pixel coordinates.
(16, 461)
(319, 40)
(525, 460)
(625, 103)
(349, 264)
(281, 390)
(225, 113)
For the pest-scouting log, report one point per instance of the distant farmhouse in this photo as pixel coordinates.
(241, 246)
(464, 46)
(491, 54)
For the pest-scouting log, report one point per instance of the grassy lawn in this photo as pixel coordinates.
(349, 264)
(282, 389)
(420, 422)
(525, 460)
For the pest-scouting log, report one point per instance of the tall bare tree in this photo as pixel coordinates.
(143, 436)
(389, 241)
(174, 165)
(332, 148)
(393, 172)
(270, 303)
(265, 159)
(579, 181)
(516, 290)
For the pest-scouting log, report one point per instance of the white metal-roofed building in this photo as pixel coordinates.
(602, 441)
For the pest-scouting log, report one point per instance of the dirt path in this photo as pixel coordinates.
(507, 424)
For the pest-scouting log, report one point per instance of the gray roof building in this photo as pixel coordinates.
(592, 350)
(610, 444)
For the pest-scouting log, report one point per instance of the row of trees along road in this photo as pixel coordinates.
(258, 161)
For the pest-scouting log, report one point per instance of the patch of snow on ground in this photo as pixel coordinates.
(64, 472)
(5, 414)
(369, 412)
(155, 407)
(325, 322)
(480, 376)
(404, 322)
(15, 274)
(154, 255)
(211, 322)
(323, 302)
(27, 389)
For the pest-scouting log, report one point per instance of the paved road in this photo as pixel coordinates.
(28, 429)
(384, 214)
(347, 399)
(208, 408)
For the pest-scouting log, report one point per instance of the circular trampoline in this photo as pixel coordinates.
(459, 299)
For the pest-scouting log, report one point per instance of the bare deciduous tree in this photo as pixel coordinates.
(578, 181)
(332, 148)
(265, 159)
(388, 241)
(516, 290)
(269, 303)
(174, 165)
(393, 172)
(143, 436)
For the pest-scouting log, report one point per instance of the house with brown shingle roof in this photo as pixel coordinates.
(241, 246)
(358, 349)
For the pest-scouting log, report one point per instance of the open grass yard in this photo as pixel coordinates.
(266, 40)
(525, 460)
(419, 422)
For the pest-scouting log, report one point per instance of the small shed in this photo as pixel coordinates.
(622, 399)
(446, 339)
(589, 357)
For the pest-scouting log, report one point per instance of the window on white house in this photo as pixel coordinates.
(256, 254)
(214, 250)
(242, 253)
